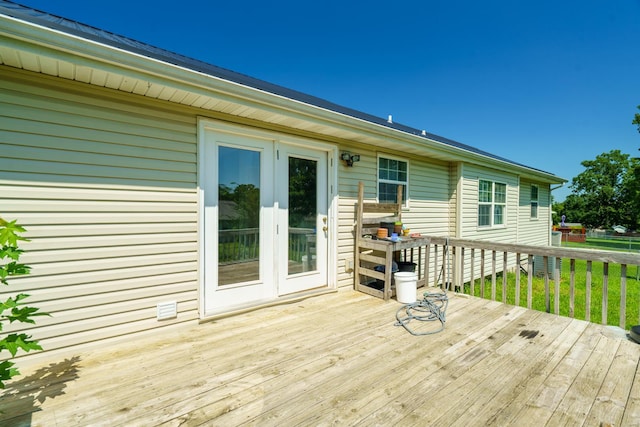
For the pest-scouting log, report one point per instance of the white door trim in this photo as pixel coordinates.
(206, 124)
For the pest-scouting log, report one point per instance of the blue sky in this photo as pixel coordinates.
(547, 83)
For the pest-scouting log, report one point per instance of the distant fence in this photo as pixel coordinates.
(572, 234)
(597, 234)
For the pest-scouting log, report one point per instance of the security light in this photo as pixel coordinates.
(349, 158)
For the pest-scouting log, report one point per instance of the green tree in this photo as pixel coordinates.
(302, 193)
(636, 119)
(604, 194)
(13, 309)
(574, 208)
(245, 201)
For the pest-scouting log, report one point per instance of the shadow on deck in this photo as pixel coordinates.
(338, 359)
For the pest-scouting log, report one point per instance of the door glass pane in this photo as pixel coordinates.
(238, 215)
(302, 215)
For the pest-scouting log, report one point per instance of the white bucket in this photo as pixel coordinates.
(406, 286)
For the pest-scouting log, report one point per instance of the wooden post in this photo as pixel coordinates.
(588, 293)
(427, 259)
(517, 302)
(605, 292)
(556, 292)
(572, 289)
(504, 277)
(529, 281)
(472, 279)
(493, 275)
(547, 297)
(358, 236)
(481, 273)
(623, 296)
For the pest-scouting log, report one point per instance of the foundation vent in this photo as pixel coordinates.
(167, 310)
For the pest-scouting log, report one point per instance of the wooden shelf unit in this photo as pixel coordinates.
(371, 252)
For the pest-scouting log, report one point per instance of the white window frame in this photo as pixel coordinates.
(534, 202)
(492, 204)
(405, 184)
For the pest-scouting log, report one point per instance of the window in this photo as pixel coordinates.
(534, 201)
(391, 173)
(492, 203)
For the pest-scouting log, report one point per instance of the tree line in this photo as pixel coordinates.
(606, 193)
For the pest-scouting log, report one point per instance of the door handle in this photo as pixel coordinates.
(325, 228)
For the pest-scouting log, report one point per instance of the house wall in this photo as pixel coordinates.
(469, 229)
(428, 209)
(534, 231)
(105, 185)
(519, 228)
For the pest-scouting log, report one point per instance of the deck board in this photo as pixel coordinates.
(338, 359)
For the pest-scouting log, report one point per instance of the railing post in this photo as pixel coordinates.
(547, 296)
(445, 267)
(504, 277)
(623, 296)
(517, 301)
(460, 270)
(556, 279)
(481, 273)
(493, 275)
(530, 281)
(588, 293)
(435, 267)
(472, 280)
(427, 260)
(572, 288)
(605, 292)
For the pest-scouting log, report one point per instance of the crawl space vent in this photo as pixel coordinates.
(167, 310)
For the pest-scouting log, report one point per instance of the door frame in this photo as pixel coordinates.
(291, 284)
(207, 124)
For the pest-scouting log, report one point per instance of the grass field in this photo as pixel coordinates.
(580, 293)
(611, 244)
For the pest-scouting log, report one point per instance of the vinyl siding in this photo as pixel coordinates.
(428, 210)
(105, 184)
(469, 209)
(534, 231)
(519, 227)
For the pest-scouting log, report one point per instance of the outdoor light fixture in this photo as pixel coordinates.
(349, 158)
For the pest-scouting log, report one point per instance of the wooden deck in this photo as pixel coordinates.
(338, 359)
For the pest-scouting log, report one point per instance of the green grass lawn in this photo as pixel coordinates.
(617, 244)
(580, 309)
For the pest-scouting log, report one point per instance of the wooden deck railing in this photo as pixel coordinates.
(465, 264)
(241, 245)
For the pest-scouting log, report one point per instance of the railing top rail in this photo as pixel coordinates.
(554, 251)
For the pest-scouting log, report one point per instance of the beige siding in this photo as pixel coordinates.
(455, 199)
(348, 177)
(520, 228)
(534, 231)
(429, 198)
(105, 184)
(469, 209)
(428, 209)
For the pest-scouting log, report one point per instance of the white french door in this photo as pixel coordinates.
(303, 227)
(265, 218)
(239, 220)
